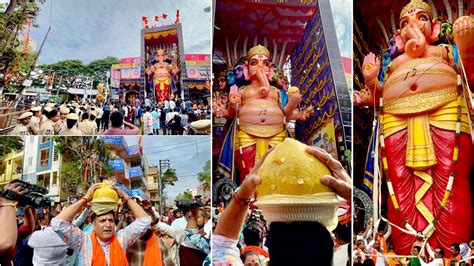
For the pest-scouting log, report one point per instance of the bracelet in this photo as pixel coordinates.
(6, 204)
(239, 200)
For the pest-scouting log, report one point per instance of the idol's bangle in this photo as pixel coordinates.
(371, 83)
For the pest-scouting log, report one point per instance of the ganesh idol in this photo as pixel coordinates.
(259, 117)
(424, 128)
(161, 73)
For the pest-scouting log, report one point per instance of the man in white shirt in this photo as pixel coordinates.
(148, 122)
(373, 248)
(172, 105)
(98, 119)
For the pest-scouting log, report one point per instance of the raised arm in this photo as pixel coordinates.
(463, 30)
(8, 230)
(369, 96)
(232, 219)
(67, 214)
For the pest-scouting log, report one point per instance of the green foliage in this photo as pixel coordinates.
(90, 155)
(185, 195)
(11, 21)
(68, 70)
(169, 177)
(71, 177)
(205, 176)
(10, 144)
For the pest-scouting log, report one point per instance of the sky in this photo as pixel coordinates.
(342, 15)
(89, 29)
(187, 155)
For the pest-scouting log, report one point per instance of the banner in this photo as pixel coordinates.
(130, 62)
(325, 138)
(198, 59)
(129, 73)
(198, 72)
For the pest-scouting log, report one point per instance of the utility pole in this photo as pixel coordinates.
(164, 164)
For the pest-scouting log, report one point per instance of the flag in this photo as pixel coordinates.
(145, 20)
(369, 171)
(177, 17)
(164, 16)
(157, 18)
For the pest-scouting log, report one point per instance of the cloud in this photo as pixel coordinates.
(342, 16)
(90, 30)
(187, 155)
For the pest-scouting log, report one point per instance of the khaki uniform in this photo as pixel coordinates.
(60, 125)
(47, 128)
(87, 127)
(35, 124)
(74, 131)
(20, 130)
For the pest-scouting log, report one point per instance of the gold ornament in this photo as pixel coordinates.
(259, 49)
(417, 4)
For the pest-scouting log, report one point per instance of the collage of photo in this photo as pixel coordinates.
(246, 132)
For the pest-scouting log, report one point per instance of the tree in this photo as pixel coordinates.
(86, 158)
(185, 195)
(205, 176)
(7, 145)
(169, 177)
(10, 144)
(13, 61)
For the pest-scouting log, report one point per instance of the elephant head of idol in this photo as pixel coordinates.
(417, 30)
(258, 69)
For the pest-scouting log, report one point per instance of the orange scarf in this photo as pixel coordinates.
(374, 256)
(258, 250)
(383, 243)
(117, 255)
(153, 252)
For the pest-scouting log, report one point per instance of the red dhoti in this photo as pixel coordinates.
(252, 141)
(420, 190)
(162, 88)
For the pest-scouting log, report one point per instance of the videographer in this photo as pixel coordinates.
(8, 230)
(192, 247)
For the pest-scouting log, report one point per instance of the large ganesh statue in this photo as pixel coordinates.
(259, 117)
(161, 73)
(424, 128)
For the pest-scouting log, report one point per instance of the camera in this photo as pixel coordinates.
(35, 196)
(186, 204)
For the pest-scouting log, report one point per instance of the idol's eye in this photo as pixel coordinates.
(267, 63)
(403, 24)
(253, 62)
(423, 18)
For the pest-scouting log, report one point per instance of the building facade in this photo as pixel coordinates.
(42, 165)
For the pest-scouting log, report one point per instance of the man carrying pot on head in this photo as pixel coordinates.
(103, 246)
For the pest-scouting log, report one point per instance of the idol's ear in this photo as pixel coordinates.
(271, 73)
(246, 72)
(399, 42)
(435, 30)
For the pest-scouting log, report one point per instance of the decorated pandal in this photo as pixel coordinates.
(162, 53)
(254, 105)
(419, 91)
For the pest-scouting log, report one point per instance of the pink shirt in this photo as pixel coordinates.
(119, 131)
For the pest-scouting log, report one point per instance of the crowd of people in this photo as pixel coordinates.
(86, 118)
(377, 249)
(135, 233)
